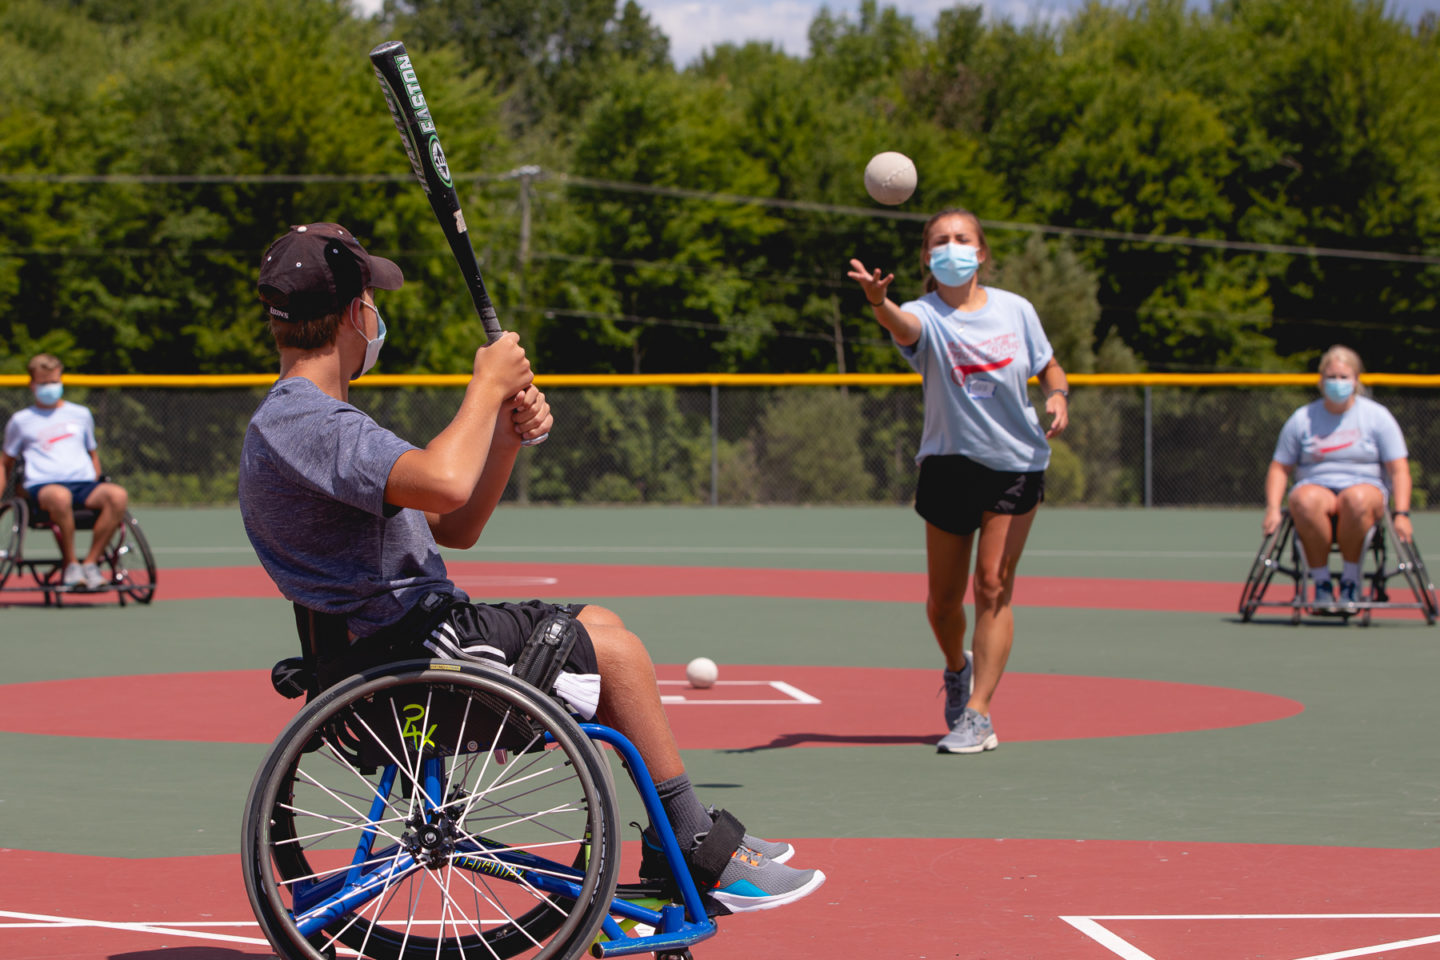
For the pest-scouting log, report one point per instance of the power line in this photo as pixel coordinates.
(623, 186)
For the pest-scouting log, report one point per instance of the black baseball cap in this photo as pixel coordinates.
(316, 269)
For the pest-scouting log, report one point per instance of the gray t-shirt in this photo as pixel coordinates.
(1339, 450)
(312, 494)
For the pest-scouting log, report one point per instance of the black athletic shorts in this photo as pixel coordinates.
(954, 491)
(438, 626)
(506, 626)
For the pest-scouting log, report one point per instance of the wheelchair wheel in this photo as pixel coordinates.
(14, 516)
(132, 565)
(1418, 578)
(1267, 560)
(431, 809)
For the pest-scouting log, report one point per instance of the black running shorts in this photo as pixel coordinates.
(506, 626)
(955, 491)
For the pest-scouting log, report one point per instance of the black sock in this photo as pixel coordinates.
(684, 810)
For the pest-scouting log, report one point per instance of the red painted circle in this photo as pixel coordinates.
(753, 707)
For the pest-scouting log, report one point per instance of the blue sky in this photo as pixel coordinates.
(693, 25)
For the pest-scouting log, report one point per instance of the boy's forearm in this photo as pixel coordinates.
(462, 528)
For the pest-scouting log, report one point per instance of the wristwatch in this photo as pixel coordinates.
(1400, 513)
(1063, 393)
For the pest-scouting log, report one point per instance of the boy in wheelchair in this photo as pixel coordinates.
(55, 440)
(346, 517)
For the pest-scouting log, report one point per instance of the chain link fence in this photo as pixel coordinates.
(1161, 446)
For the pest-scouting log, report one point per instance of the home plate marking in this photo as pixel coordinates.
(790, 694)
(1123, 948)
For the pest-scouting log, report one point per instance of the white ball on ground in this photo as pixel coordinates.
(890, 177)
(702, 672)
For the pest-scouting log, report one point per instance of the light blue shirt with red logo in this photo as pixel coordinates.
(54, 443)
(974, 366)
(1339, 450)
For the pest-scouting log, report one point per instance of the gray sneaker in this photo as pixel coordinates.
(74, 576)
(776, 850)
(958, 687)
(752, 881)
(94, 579)
(972, 733)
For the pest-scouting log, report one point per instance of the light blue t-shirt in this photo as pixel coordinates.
(313, 471)
(1341, 450)
(974, 366)
(54, 443)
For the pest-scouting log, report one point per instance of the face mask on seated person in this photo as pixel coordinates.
(954, 263)
(1337, 389)
(49, 394)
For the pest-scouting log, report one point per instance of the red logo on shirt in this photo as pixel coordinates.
(992, 354)
(1339, 440)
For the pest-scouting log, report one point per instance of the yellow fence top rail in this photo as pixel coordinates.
(560, 380)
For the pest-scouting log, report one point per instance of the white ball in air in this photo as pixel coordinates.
(890, 177)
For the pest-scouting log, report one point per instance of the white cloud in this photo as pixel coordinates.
(694, 26)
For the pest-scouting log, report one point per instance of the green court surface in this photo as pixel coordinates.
(1357, 767)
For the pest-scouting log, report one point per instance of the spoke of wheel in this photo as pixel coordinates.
(494, 901)
(364, 817)
(378, 902)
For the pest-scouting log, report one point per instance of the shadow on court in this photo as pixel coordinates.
(852, 740)
(197, 953)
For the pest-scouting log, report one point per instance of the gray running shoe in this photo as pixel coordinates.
(94, 579)
(752, 881)
(972, 733)
(1349, 594)
(958, 687)
(1325, 597)
(777, 850)
(74, 576)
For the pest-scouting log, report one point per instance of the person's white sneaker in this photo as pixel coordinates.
(74, 575)
(94, 579)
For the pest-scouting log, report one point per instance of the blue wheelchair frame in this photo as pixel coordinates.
(677, 912)
(677, 926)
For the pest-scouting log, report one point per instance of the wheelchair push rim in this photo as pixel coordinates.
(13, 520)
(429, 809)
(129, 560)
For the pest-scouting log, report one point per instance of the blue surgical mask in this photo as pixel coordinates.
(954, 263)
(49, 394)
(1337, 389)
(372, 347)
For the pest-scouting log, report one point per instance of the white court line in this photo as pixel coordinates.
(793, 694)
(481, 580)
(1127, 951)
(155, 928)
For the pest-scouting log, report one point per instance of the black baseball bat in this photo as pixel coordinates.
(416, 124)
(412, 116)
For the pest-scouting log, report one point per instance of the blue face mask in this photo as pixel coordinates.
(954, 264)
(1337, 389)
(49, 394)
(372, 347)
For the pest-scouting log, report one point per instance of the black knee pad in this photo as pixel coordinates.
(546, 651)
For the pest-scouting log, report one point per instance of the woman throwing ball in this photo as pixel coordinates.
(982, 456)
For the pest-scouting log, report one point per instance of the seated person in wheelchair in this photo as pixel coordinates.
(1348, 457)
(55, 440)
(346, 516)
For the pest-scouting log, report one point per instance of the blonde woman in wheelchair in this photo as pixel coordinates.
(1349, 462)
